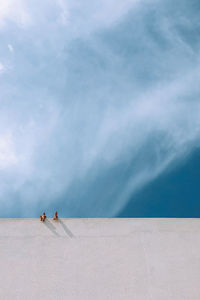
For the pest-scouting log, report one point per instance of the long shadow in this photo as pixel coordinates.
(51, 227)
(66, 229)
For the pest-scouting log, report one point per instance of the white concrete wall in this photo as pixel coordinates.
(155, 259)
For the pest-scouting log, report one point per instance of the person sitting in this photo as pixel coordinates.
(43, 217)
(55, 216)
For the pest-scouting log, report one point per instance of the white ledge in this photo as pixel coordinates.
(100, 259)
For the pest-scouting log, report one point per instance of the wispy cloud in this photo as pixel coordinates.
(2, 68)
(7, 154)
(14, 11)
(101, 97)
(10, 47)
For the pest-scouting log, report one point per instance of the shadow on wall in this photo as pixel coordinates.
(52, 228)
(66, 229)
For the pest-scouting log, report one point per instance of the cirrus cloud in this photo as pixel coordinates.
(99, 98)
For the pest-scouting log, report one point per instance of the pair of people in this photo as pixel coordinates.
(43, 217)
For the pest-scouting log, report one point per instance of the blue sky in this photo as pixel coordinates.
(98, 101)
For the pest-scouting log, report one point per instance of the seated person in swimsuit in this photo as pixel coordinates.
(55, 216)
(43, 217)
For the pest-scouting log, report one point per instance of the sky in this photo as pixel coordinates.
(99, 102)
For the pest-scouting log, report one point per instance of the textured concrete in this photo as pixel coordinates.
(155, 259)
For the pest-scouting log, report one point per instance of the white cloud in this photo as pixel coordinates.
(8, 156)
(14, 11)
(85, 17)
(64, 13)
(2, 67)
(10, 47)
(169, 112)
(78, 16)
(94, 121)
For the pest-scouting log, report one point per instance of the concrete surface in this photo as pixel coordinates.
(155, 259)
